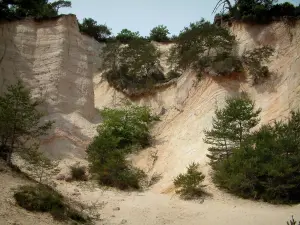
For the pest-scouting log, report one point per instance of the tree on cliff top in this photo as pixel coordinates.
(31, 8)
(97, 31)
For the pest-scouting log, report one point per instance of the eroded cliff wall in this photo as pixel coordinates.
(189, 105)
(56, 62)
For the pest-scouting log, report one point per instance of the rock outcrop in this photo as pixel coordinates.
(56, 62)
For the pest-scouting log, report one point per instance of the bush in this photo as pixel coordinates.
(189, 185)
(123, 131)
(254, 60)
(159, 34)
(231, 126)
(126, 36)
(266, 166)
(43, 199)
(31, 8)
(259, 12)
(78, 172)
(202, 47)
(91, 28)
(20, 122)
(132, 67)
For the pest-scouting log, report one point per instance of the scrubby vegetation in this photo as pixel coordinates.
(126, 36)
(256, 11)
(189, 185)
(40, 166)
(78, 172)
(91, 28)
(231, 127)
(122, 132)
(15, 9)
(254, 61)
(41, 198)
(20, 123)
(204, 47)
(133, 67)
(261, 164)
(159, 34)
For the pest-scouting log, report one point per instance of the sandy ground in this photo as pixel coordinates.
(149, 208)
(146, 208)
(10, 213)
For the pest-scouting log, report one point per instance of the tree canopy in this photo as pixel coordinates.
(159, 34)
(97, 31)
(10, 9)
(204, 46)
(20, 123)
(231, 126)
(132, 67)
(126, 35)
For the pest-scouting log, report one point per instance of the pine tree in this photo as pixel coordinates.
(231, 126)
(20, 124)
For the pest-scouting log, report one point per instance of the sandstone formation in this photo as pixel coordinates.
(63, 67)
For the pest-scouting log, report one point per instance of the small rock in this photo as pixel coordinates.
(123, 221)
(76, 190)
(116, 209)
(60, 177)
(68, 178)
(113, 216)
(76, 193)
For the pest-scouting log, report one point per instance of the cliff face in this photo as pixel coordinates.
(51, 57)
(61, 66)
(56, 62)
(189, 105)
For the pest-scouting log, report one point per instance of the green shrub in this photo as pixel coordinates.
(31, 8)
(254, 60)
(43, 199)
(202, 47)
(133, 67)
(266, 166)
(126, 36)
(123, 131)
(97, 31)
(78, 172)
(159, 34)
(189, 185)
(20, 123)
(231, 126)
(257, 11)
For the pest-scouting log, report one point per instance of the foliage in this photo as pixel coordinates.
(159, 34)
(254, 60)
(189, 185)
(123, 131)
(40, 166)
(266, 166)
(91, 28)
(78, 172)
(10, 9)
(231, 126)
(202, 46)
(134, 66)
(173, 74)
(20, 124)
(126, 36)
(257, 11)
(43, 199)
